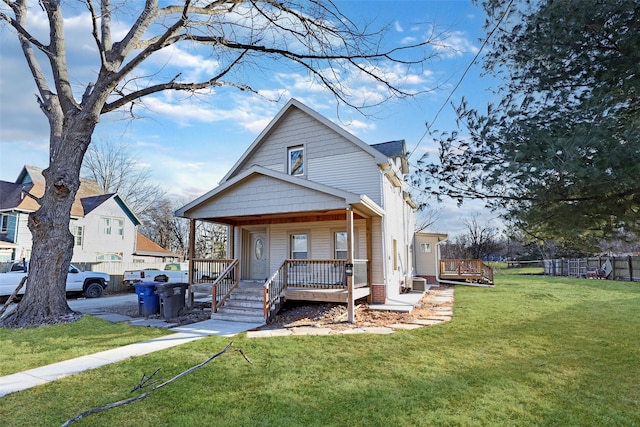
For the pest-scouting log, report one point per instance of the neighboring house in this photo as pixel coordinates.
(300, 194)
(149, 251)
(104, 228)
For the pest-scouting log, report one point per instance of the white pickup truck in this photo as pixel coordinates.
(90, 283)
(175, 272)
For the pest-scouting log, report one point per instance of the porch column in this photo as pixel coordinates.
(230, 241)
(350, 302)
(192, 251)
(369, 255)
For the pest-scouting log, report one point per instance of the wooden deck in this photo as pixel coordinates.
(466, 271)
(324, 295)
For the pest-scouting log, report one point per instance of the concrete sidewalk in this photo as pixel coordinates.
(184, 334)
(187, 333)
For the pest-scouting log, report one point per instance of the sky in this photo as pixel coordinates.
(190, 142)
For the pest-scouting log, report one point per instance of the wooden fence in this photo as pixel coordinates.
(625, 268)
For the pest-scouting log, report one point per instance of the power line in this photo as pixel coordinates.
(484, 43)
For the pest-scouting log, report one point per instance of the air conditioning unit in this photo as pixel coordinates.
(419, 284)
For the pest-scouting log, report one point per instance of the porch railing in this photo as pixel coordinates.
(208, 270)
(274, 289)
(221, 274)
(466, 269)
(224, 284)
(313, 274)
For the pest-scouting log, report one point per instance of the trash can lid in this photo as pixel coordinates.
(146, 284)
(171, 285)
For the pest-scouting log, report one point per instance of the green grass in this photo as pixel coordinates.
(534, 350)
(29, 348)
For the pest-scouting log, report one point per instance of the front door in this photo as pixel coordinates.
(258, 265)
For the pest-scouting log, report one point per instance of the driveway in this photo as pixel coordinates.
(106, 303)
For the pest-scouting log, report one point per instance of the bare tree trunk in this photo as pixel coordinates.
(45, 300)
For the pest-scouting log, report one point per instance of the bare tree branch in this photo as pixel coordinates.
(147, 394)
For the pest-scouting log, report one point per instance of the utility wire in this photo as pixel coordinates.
(484, 43)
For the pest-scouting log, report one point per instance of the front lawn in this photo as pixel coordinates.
(534, 350)
(30, 348)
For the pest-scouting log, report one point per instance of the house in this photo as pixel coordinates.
(427, 256)
(104, 228)
(308, 204)
(147, 250)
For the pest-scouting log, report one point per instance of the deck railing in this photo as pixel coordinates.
(466, 269)
(314, 274)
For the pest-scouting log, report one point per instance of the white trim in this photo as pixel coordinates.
(349, 198)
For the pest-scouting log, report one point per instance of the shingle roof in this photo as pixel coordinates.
(92, 202)
(31, 180)
(392, 148)
(144, 246)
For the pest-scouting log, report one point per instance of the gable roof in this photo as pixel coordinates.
(91, 203)
(31, 180)
(362, 201)
(279, 118)
(145, 246)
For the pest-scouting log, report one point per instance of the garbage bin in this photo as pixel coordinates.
(148, 301)
(172, 297)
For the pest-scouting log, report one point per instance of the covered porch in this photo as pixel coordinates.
(309, 242)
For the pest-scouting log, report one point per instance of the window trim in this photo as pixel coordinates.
(4, 223)
(308, 240)
(425, 248)
(73, 229)
(291, 150)
(112, 226)
(106, 226)
(335, 244)
(100, 257)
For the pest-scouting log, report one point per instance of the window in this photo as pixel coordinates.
(340, 241)
(77, 231)
(299, 246)
(296, 160)
(113, 226)
(106, 226)
(425, 248)
(4, 223)
(119, 225)
(109, 257)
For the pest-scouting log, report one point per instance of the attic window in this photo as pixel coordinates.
(295, 156)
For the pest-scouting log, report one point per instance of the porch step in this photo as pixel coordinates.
(248, 317)
(245, 304)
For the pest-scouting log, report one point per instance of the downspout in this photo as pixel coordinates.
(383, 225)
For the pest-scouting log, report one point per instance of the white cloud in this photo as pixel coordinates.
(453, 44)
(193, 67)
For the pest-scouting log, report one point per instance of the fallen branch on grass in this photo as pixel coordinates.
(144, 382)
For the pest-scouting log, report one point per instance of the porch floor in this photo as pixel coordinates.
(402, 303)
